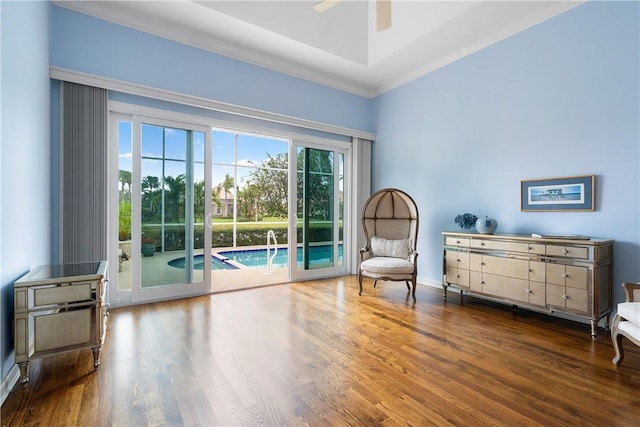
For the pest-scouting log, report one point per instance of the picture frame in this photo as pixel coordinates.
(576, 193)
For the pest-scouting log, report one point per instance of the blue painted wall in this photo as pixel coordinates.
(25, 157)
(90, 45)
(560, 99)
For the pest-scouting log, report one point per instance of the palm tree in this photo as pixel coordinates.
(151, 198)
(175, 198)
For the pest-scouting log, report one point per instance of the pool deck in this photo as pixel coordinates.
(157, 270)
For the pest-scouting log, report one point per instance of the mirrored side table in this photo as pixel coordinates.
(57, 309)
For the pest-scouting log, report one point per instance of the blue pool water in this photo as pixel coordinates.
(198, 263)
(257, 258)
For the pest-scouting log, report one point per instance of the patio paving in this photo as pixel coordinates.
(158, 271)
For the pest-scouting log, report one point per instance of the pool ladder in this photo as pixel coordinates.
(271, 235)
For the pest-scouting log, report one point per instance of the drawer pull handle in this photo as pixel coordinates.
(565, 275)
(564, 251)
(529, 291)
(565, 297)
(529, 248)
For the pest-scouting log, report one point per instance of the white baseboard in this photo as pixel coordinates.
(429, 282)
(8, 382)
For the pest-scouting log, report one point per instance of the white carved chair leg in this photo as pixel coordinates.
(616, 339)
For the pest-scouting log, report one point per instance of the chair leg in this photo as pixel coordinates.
(375, 282)
(360, 282)
(413, 293)
(408, 286)
(616, 339)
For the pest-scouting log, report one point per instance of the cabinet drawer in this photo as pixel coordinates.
(537, 271)
(568, 298)
(457, 241)
(537, 293)
(498, 245)
(457, 259)
(505, 287)
(47, 295)
(52, 331)
(568, 275)
(568, 251)
(518, 247)
(456, 276)
(517, 268)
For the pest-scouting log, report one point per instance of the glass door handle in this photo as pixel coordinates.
(209, 221)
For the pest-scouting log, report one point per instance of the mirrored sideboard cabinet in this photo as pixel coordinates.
(562, 274)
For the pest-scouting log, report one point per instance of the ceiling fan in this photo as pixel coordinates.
(383, 11)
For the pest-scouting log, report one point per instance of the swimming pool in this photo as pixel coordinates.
(257, 258)
(198, 263)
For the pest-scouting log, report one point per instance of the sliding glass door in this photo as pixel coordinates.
(162, 208)
(202, 209)
(318, 200)
(249, 220)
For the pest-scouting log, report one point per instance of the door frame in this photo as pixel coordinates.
(337, 269)
(138, 115)
(119, 110)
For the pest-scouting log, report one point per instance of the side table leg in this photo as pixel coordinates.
(96, 356)
(24, 373)
(594, 328)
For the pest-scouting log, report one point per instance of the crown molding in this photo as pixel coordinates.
(63, 74)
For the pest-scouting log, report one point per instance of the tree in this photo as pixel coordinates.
(249, 202)
(198, 201)
(269, 186)
(320, 185)
(151, 199)
(228, 183)
(174, 199)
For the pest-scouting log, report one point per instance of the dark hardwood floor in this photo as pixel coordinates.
(316, 353)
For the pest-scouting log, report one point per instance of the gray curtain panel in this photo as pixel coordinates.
(83, 174)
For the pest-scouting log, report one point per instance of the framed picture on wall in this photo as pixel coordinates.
(577, 193)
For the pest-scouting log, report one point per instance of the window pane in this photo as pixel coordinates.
(175, 144)
(151, 141)
(124, 204)
(223, 147)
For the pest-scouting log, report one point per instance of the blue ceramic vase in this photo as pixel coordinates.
(486, 225)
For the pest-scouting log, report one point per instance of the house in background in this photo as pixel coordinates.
(459, 139)
(224, 205)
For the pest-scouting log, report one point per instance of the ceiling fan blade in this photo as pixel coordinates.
(383, 14)
(326, 4)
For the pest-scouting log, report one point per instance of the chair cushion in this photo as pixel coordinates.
(381, 247)
(630, 329)
(630, 311)
(387, 265)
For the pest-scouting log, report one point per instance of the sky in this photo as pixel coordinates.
(251, 150)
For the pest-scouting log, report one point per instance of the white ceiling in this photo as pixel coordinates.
(340, 47)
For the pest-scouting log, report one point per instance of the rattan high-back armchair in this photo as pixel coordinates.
(390, 223)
